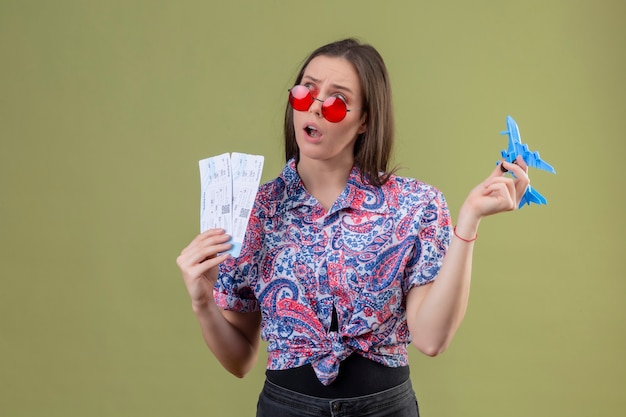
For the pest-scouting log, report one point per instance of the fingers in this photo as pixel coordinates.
(499, 171)
(211, 243)
(519, 161)
(503, 191)
(519, 169)
(499, 192)
(218, 234)
(205, 249)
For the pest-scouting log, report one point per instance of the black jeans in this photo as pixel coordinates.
(276, 401)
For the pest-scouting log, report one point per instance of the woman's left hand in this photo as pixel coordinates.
(498, 192)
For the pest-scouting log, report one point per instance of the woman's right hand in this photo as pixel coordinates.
(199, 262)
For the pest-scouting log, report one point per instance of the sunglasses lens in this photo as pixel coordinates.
(334, 109)
(300, 98)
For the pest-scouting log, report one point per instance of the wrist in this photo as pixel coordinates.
(206, 305)
(466, 228)
(464, 239)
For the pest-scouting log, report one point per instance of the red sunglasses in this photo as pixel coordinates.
(333, 108)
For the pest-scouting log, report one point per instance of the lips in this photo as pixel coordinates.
(312, 130)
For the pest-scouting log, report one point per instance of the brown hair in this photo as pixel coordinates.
(372, 149)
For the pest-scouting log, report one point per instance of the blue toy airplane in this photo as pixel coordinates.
(532, 159)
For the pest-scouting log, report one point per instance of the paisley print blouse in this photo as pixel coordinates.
(361, 257)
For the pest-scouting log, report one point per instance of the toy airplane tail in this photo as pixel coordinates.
(532, 196)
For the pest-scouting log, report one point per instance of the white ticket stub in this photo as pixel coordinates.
(228, 187)
(216, 186)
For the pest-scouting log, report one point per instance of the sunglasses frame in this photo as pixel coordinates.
(328, 104)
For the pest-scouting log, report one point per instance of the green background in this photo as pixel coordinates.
(106, 107)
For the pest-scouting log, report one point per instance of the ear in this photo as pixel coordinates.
(363, 126)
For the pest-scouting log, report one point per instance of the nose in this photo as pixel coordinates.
(316, 106)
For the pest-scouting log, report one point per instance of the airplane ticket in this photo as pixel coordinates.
(228, 188)
(247, 171)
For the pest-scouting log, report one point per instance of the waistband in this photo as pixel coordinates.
(396, 401)
(358, 376)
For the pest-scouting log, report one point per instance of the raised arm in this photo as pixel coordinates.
(435, 310)
(232, 337)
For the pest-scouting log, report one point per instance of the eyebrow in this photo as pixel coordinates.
(335, 86)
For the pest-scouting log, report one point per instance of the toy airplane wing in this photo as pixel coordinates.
(516, 147)
(533, 159)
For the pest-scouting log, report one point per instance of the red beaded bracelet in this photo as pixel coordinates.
(463, 239)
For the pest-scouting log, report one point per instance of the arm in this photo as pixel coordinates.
(435, 310)
(232, 337)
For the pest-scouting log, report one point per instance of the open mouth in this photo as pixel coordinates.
(312, 131)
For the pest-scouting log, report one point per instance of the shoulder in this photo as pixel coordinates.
(406, 190)
(279, 193)
(270, 194)
(272, 190)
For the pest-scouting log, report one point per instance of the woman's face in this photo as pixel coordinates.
(317, 138)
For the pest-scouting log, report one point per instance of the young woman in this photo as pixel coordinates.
(344, 263)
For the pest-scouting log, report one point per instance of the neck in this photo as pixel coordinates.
(323, 180)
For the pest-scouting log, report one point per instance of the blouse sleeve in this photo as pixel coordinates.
(234, 288)
(433, 226)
